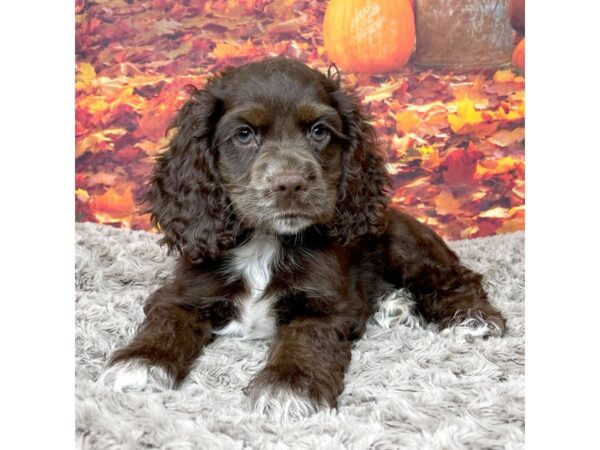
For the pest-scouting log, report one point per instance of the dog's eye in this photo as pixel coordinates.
(319, 133)
(245, 135)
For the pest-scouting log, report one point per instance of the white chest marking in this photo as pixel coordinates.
(253, 262)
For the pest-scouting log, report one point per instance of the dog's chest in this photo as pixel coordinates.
(253, 262)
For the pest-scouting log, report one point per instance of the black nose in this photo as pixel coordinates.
(288, 182)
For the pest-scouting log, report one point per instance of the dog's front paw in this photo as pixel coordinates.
(476, 323)
(398, 307)
(136, 375)
(288, 394)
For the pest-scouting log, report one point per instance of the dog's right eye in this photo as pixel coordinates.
(245, 136)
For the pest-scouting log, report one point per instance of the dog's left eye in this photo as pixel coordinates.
(319, 132)
(245, 136)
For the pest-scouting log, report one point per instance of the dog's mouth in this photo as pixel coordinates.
(292, 215)
(291, 222)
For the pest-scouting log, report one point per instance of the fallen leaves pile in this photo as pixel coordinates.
(455, 142)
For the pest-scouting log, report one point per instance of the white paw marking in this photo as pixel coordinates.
(472, 327)
(398, 307)
(281, 403)
(135, 375)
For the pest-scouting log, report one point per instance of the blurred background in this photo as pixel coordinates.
(444, 81)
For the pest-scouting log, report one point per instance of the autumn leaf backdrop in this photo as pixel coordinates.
(455, 141)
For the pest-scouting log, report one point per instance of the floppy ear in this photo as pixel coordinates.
(185, 196)
(362, 198)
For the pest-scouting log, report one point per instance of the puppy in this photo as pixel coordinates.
(273, 194)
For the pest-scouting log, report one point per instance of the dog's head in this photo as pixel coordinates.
(273, 146)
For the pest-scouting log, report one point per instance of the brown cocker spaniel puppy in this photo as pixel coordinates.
(273, 193)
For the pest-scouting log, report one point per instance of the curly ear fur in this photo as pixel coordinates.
(362, 199)
(189, 205)
(186, 198)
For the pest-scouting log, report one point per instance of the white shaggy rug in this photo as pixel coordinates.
(407, 387)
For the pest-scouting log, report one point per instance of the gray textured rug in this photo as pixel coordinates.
(407, 386)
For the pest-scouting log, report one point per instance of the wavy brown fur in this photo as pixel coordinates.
(277, 150)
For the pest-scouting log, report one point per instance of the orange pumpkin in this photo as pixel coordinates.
(371, 36)
(518, 58)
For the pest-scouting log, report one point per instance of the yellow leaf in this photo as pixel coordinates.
(86, 74)
(496, 213)
(127, 97)
(233, 50)
(82, 195)
(110, 219)
(431, 157)
(93, 104)
(466, 114)
(469, 231)
(426, 150)
(497, 167)
(467, 110)
(456, 123)
(504, 76)
(100, 140)
(406, 121)
(517, 210)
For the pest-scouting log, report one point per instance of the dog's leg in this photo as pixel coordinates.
(447, 293)
(305, 369)
(164, 349)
